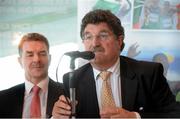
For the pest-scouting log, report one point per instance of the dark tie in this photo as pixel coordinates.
(107, 99)
(35, 109)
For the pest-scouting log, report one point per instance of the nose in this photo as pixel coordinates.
(36, 58)
(96, 41)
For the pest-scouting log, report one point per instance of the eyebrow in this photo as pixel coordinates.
(43, 51)
(102, 31)
(28, 52)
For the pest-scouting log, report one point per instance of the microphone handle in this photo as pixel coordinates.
(72, 92)
(73, 102)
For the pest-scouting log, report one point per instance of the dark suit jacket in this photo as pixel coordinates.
(11, 100)
(144, 90)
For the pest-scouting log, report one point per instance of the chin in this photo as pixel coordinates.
(38, 75)
(98, 60)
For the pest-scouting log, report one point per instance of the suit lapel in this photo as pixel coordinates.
(54, 91)
(128, 84)
(19, 100)
(92, 92)
(88, 87)
(50, 97)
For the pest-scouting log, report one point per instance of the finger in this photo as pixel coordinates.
(59, 115)
(60, 104)
(63, 98)
(64, 112)
(61, 109)
(64, 105)
(124, 113)
(115, 116)
(111, 111)
(117, 113)
(64, 117)
(102, 115)
(107, 112)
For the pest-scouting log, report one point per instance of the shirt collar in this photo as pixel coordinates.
(42, 84)
(114, 69)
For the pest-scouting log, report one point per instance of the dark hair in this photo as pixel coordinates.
(98, 16)
(32, 37)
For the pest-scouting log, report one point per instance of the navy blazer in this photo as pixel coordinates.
(143, 86)
(11, 100)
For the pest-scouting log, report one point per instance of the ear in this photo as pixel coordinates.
(120, 41)
(20, 61)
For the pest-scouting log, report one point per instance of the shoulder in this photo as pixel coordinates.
(139, 63)
(52, 82)
(12, 90)
(140, 66)
(55, 84)
(11, 94)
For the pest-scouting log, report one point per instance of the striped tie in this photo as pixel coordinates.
(35, 109)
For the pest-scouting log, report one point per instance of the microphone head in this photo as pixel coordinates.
(88, 55)
(85, 55)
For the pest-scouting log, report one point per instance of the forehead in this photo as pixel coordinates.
(34, 46)
(96, 28)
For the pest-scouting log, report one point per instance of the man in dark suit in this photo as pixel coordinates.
(34, 58)
(138, 88)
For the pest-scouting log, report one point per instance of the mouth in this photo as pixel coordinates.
(37, 66)
(97, 49)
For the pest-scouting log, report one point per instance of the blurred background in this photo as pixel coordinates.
(152, 32)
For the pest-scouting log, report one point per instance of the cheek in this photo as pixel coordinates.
(47, 62)
(26, 63)
(87, 45)
(118, 45)
(112, 48)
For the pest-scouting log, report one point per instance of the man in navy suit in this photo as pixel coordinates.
(139, 88)
(34, 58)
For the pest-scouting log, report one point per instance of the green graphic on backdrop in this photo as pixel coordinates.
(106, 5)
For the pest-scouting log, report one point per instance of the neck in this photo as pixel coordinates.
(105, 66)
(35, 80)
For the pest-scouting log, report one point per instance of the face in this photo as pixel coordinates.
(106, 46)
(35, 60)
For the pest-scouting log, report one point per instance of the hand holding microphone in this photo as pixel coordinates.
(62, 108)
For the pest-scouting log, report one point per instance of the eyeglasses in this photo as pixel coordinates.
(100, 36)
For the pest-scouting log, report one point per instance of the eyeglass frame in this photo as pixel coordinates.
(103, 35)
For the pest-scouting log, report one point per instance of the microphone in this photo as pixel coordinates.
(77, 54)
(72, 88)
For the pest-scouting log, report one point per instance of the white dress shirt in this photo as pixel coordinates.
(115, 83)
(29, 95)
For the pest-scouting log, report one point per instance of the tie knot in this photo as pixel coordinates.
(105, 75)
(36, 89)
